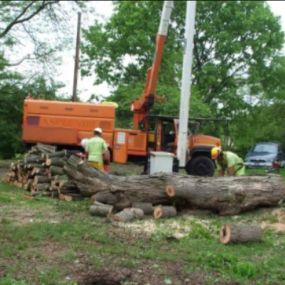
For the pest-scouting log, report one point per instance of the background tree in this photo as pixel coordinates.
(35, 24)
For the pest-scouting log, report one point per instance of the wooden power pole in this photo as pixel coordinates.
(76, 64)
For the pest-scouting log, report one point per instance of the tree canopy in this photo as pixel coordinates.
(237, 59)
(32, 22)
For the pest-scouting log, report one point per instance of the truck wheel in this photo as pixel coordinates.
(200, 166)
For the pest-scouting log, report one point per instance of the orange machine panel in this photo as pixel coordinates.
(203, 140)
(137, 142)
(46, 107)
(120, 146)
(67, 123)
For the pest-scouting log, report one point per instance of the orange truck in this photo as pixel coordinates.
(66, 123)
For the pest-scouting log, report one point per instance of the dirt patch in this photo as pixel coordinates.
(106, 277)
(23, 216)
(146, 273)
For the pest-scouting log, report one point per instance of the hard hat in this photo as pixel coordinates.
(215, 152)
(84, 142)
(98, 130)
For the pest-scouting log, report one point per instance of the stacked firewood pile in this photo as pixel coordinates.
(41, 173)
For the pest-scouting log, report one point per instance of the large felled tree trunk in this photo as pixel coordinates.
(224, 195)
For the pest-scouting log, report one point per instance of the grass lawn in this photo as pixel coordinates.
(46, 241)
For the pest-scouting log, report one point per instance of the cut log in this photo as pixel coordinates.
(128, 214)
(68, 198)
(223, 195)
(30, 166)
(99, 209)
(13, 166)
(28, 185)
(61, 153)
(40, 170)
(45, 148)
(105, 198)
(146, 207)
(240, 233)
(55, 161)
(33, 159)
(42, 186)
(164, 212)
(55, 170)
(42, 179)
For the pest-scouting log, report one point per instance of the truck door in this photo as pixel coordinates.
(168, 136)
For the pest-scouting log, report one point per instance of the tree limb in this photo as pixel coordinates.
(18, 19)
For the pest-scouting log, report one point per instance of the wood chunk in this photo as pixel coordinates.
(164, 212)
(42, 186)
(105, 198)
(238, 233)
(100, 209)
(146, 207)
(55, 170)
(128, 214)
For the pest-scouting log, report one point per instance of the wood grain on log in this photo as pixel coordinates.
(240, 233)
(42, 179)
(55, 170)
(146, 207)
(55, 161)
(105, 197)
(164, 212)
(100, 209)
(128, 214)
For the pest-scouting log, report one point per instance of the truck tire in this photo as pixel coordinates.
(200, 166)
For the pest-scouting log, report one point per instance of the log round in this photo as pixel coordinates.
(240, 233)
(164, 212)
(99, 209)
(128, 214)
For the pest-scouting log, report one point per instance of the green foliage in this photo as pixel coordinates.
(11, 281)
(12, 96)
(238, 71)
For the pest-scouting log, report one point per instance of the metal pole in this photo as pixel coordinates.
(186, 83)
(76, 64)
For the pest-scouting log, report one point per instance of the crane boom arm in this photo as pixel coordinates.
(141, 106)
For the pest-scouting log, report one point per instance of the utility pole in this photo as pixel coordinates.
(76, 64)
(186, 83)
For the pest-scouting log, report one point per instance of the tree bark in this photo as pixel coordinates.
(240, 233)
(55, 161)
(128, 214)
(55, 170)
(100, 209)
(146, 207)
(164, 212)
(223, 195)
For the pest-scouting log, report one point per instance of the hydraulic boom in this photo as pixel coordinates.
(142, 106)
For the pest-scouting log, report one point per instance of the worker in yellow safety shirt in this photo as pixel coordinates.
(96, 147)
(228, 163)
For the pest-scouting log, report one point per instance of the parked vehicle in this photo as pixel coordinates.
(265, 154)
